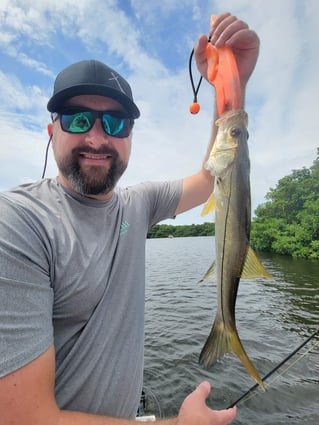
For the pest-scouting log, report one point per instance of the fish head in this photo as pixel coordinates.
(230, 125)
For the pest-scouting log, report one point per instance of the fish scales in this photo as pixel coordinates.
(229, 163)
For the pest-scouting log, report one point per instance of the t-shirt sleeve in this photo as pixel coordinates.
(26, 296)
(163, 198)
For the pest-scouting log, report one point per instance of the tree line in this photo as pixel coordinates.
(168, 230)
(287, 223)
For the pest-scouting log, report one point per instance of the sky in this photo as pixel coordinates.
(149, 43)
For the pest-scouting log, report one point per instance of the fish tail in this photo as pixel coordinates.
(241, 353)
(217, 344)
(224, 339)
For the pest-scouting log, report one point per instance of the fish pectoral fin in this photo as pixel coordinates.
(210, 272)
(209, 205)
(253, 268)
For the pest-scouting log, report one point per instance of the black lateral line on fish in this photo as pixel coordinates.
(224, 244)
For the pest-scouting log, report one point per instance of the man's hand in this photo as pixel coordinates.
(229, 31)
(194, 410)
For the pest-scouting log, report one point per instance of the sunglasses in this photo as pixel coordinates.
(78, 120)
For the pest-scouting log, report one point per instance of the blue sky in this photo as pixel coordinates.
(149, 42)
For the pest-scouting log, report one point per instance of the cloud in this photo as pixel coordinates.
(149, 43)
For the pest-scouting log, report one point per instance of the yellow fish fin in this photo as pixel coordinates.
(209, 206)
(238, 349)
(210, 272)
(253, 267)
(224, 339)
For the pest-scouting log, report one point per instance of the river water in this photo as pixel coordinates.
(273, 318)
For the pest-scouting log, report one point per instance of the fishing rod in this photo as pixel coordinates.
(275, 369)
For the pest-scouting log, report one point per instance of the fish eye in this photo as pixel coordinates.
(235, 132)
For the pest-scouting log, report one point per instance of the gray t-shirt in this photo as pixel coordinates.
(72, 274)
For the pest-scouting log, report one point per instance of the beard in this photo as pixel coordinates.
(95, 180)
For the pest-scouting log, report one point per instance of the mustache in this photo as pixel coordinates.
(88, 149)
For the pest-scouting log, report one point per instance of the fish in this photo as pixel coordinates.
(235, 259)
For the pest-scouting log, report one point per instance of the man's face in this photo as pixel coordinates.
(91, 163)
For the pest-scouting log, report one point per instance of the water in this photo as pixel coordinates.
(273, 317)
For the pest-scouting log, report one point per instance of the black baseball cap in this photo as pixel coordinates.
(92, 77)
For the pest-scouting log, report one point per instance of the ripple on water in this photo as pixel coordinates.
(273, 318)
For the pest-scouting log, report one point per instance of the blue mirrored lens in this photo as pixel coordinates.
(112, 125)
(82, 121)
(77, 123)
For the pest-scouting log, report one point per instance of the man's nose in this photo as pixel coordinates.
(97, 136)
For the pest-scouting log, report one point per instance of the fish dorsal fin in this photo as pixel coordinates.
(209, 206)
(210, 273)
(253, 267)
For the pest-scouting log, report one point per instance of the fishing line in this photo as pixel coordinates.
(254, 393)
(144, 409)
(277, 367)
(160, 413)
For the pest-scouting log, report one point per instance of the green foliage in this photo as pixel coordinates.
(167, 230)
(288, 222)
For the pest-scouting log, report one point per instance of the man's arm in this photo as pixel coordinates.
(229, 31)
(27, 397)
(27, 394)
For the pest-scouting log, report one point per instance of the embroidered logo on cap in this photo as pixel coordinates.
(116, 78)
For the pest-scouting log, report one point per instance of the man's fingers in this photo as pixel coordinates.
(226, 416)
(204, 389)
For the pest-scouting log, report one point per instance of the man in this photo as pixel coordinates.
(71, 276)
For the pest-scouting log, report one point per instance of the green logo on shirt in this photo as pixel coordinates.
(124, 227)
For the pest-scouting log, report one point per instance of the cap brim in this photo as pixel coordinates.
(58, 100)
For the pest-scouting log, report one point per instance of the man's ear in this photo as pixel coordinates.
(50, 129)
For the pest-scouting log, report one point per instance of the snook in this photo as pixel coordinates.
(229, 163)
